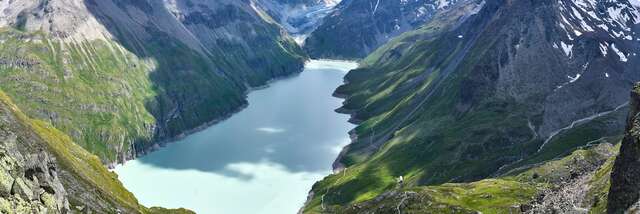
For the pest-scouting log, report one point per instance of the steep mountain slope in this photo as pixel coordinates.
(593, 179)
(120, 75)
(577, 183)
(477, 92)
(43, 171)
(625, 186)
(358, 27)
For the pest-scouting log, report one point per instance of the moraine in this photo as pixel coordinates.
(262, 160)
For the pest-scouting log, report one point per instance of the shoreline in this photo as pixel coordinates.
(160, 144)
(353, 136)
(157, 145)
(337, 166)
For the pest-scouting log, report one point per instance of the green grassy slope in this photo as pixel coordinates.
(85, 179)
(463, 98)
(81, 88)
(517, 192)
(112, 96)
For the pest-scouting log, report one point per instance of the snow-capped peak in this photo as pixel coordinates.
(614, 17)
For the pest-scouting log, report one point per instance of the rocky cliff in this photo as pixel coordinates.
(121, 76)
(29, 174)
(43, 171)
(624, 194)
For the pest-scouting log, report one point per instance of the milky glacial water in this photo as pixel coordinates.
(262, 160)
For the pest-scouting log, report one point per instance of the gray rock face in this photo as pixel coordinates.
(624, 193)
(589, 30)
(63, 18)
(34, 180)
(29, 181)
(357, 27)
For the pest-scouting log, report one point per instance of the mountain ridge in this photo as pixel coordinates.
(463, 101)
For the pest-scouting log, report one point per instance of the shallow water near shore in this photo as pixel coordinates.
(263, 159)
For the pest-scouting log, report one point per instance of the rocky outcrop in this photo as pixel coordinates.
(20, 63)
(43, 171)
(577, 184)
(31, 178)
(625, 178)
(29, 181)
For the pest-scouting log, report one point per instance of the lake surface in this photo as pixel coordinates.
(263, 159)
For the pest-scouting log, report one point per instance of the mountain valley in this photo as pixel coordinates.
(459, 106)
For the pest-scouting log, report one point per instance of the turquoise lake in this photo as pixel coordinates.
(262, 160)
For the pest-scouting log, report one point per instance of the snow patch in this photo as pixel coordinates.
(622, 56)
(573, 79)
(376, 7)
(613, 17)
(568, 49)
(603, 49)
(443, 4)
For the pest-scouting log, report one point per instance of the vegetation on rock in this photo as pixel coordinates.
(77, 179)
